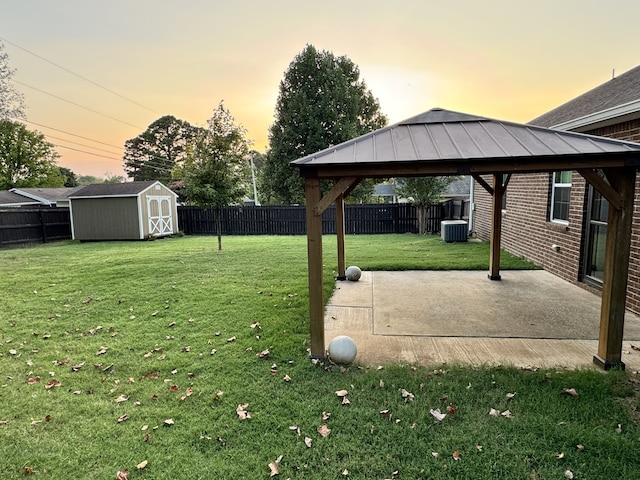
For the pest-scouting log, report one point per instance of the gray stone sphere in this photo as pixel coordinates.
(342, 350)
(353, 273)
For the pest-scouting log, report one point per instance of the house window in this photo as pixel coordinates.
(560, 192)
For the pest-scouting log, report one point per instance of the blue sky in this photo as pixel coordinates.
(510, 60)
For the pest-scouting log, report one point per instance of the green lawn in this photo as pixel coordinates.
(113, 354)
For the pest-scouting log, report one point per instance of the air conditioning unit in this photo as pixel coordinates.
(454, 230)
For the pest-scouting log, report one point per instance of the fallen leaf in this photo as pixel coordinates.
(146, 438)
(407, 396)
(451, 409)
(231, 339)
(121, 399)
(174, 388)
(144, 428)
(507, 414)
(619, 428)
(172, 324)
(456, 455)
(142, 464)
(381, 384)
(479, 447)
(75, 368)
(255, 325)
(560, 456)
(345, 401)
(242, 412)
(5, 422)
(494, 413)
(169, 421)
(122, 475)
(342, 393)
(33, 380)
(153, 314)
(102, 351)
(510, 396)
(52, 383)
(437, 415)
(287, 378)
(435, 454)
(568, 474)
(308, 441)
(123, 418)
(345, 473)
(386, 413)
(324, 430)
(274, 467)
(325, 416)
(570, 391)
(263, 354)
(580, 447)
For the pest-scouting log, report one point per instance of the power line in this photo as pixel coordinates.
(78, 105)
(84, 151)
(79, 76)
(82, 144)
(69, 133)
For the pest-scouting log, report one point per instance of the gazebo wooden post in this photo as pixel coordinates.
(314, 259)
(616, 269)
(340, 227)
(496, 226)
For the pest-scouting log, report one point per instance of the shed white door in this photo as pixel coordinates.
(160, 221)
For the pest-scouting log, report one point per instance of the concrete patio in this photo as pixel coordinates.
(528, 319)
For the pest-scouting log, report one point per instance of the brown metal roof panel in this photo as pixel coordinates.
(422, 141)
(538, 144)
(555, 143)
(486, 144)
(465, 144)
(363, 150)
(404, 146)
(510, 145)
(340, 155)
(383, 145)
(445, 146)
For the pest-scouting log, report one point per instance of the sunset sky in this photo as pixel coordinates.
(511, 60)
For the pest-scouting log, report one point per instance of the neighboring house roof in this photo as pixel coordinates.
(618, 98)
(12, 199)
(458, 188)
(129, 189)
(46, 196)
(439, 141)
(384, 190)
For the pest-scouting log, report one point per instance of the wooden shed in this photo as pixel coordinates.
(123, 211)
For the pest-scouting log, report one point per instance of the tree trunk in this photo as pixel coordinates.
(422, 219)
(219, 225)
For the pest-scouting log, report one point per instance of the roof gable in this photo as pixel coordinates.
(128, 189)
(12, 199)
(46, 195)
(621, 90)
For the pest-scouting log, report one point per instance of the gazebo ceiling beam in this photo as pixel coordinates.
(466, 167)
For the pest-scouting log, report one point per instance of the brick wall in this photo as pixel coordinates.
(527, 231)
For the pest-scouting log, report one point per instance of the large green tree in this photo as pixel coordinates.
(155, 153)
(26, 158)
(216, 169)
(11, 100)
(322, 102)
(423, 192)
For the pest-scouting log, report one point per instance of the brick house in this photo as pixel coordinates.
(558, 220)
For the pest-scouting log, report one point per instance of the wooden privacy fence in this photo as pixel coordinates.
(290, 220)
(19, 226)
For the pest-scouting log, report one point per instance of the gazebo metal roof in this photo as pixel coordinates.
(448, 142)
(443, 142)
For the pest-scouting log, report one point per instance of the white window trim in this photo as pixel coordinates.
(554, 185)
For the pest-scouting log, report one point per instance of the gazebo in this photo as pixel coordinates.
(442, 142)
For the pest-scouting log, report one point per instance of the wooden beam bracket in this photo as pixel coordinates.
(342, 185)
(600, 184)
(483, 183)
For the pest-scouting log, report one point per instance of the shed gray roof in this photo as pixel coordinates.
(618, 91)
(129, 189)
(441, 136)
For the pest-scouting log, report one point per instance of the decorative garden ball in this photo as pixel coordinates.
(353, 273)
(342, 350)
